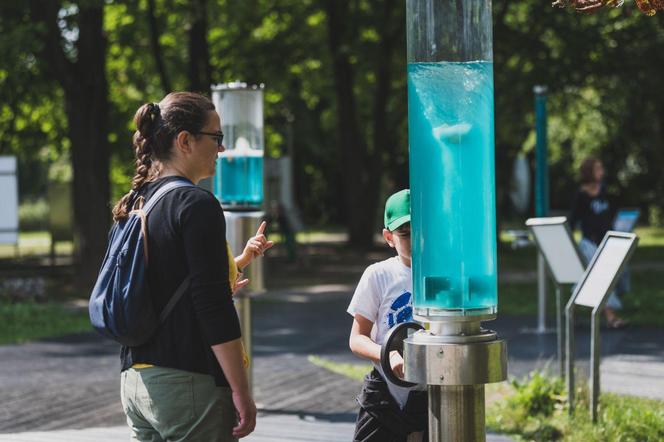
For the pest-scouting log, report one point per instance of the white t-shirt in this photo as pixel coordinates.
(384, 296)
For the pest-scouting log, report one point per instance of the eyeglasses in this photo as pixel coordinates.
(218, 136)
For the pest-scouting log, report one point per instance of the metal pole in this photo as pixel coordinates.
(239, 227)
(243, 307)
(594, 364)
(541, 194)
(541, 294)
(569, 354)
(456, 413)
(560, 332)
(541, 154)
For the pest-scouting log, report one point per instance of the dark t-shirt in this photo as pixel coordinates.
(187, 238)
(594, 213)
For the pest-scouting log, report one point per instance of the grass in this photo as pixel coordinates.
(26, 321)
(534, 409)
(352, 371)
(34, 243)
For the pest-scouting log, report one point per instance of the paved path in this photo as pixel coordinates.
(270, 428)
(72, 383)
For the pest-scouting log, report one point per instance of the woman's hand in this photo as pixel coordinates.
(256, 246)
(246, 413)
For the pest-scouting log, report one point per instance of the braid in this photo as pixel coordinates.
(147, 123)
(143, 152)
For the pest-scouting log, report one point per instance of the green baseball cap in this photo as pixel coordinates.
(397, 210)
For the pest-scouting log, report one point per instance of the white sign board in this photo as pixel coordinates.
(557, 246)
(603, 270)
(8, 201)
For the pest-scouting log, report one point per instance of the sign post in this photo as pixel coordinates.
(592, 291)
(563, 260)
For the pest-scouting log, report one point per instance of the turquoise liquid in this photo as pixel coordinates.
(239, 180)
(452, 178)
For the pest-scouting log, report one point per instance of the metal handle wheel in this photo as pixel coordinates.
(394, 341)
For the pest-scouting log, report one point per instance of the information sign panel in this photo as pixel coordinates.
(604, 268)
(554, 240)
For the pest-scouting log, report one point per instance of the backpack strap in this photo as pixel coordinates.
(184, 285)
(163, 190)
(154, 199)
(149, 205)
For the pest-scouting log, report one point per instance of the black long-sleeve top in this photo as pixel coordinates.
(187, 238)
(595, 214)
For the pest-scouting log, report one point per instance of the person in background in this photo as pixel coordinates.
(188, 382)
(593, 211)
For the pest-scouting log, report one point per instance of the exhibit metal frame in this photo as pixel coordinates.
(532, 224)
(595, 320)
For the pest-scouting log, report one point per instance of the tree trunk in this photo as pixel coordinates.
(363, 168)
(199, 54)
(86, 105)
(352, 143)
(383, 134)
(156, 47)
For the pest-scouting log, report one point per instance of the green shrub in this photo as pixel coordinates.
(538, 395)
(536, 410)
(528, 409)
(656, 216)
(33, 215)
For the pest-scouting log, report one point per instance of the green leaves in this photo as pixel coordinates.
(602, 71)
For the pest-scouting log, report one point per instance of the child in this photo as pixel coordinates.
(382, 299)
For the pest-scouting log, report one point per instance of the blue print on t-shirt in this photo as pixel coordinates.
(401, 310)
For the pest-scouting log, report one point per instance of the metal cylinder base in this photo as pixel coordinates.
(456, 413)
(466, 360)
(455, 359)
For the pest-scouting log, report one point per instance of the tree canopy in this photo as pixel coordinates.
(73, 73)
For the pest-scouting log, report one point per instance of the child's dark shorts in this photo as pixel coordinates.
(381, 419)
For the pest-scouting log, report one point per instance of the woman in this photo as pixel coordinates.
(592, 208)
(188, 382)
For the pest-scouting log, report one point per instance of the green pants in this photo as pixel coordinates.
(165, 404)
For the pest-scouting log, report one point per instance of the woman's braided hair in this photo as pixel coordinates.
(157, 125)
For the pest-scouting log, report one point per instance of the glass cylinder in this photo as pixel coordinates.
(452, 166)
(238, 181)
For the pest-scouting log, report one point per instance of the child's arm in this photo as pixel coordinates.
(360, 339)
(362, 345)
(256, 246)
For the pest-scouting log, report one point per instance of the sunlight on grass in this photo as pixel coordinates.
(536, 409)
(351, 371)
(26, 321)
(35, 243)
